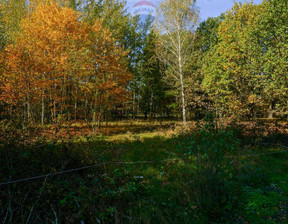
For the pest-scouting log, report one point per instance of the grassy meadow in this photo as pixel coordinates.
(158, 172)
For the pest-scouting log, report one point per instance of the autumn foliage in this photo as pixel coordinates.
(61, 66)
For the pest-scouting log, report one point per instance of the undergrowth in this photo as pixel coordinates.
(209, 182)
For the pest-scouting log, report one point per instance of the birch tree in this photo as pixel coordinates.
(175, 23)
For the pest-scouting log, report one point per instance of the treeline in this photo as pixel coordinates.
(72, 60)
(245, 69)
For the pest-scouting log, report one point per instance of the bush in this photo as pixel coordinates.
(208, 147)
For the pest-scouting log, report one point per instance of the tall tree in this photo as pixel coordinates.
(272, 32)
(206, 37)
(232, 68)
(153, 99)
(107, 75)
(135, 41)
(175, 22)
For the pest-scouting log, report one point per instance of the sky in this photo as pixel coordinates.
(214, 8)
(208, 8)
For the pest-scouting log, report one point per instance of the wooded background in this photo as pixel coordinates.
(93, 61)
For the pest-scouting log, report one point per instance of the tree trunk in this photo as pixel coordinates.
(54, 104)
(24, 110)
(28, 108)
(183, 101)
(54, 111)
(75, 111)
(93, 122)
(271, 111)
(43, 110)
(138, 104)
(182, 90)
(181, 78)
(133, 105)
(106, 118)
(86, 108)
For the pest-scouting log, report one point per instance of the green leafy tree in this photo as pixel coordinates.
(153, 98)
(206, 37)
(272, 30)
(113, 15)
(135, 42)
(232, 69)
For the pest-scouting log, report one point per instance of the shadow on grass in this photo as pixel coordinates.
(136, 193)
(169, 192)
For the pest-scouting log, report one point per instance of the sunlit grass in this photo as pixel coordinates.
(112, 131)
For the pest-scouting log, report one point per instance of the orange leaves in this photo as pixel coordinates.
(107, 74)
(60, 62)
(18, 75)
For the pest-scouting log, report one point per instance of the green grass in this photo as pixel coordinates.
(265, 193)
(203, 186)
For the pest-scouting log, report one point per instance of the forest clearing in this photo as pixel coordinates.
(147, 173)
(152, 116)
